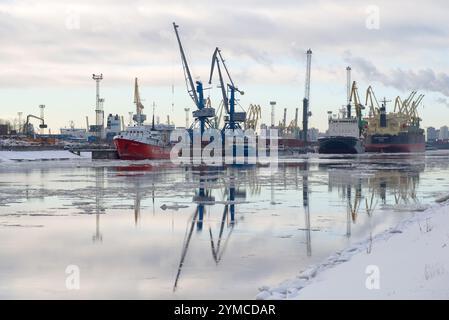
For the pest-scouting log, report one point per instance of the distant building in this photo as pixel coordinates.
(4, 129)
(113, 126)
(431, 134)
(444, 133)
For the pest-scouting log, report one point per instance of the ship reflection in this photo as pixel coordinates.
(393, 185)
(202, 199)
(222, 189)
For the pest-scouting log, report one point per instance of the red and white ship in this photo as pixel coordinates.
(141, 141)
(144, 142)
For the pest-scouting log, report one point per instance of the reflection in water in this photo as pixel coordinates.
(204, 198)
(305, 203)
(235, 229)
(99, 207)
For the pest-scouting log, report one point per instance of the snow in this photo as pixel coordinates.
(409, 261)
(10, 156)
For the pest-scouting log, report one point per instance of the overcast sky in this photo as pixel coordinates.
(49, 50)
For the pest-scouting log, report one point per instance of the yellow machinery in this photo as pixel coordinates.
(253, 116)
(404, 114)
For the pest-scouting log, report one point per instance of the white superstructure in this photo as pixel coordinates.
(159, 135)
(343, 126)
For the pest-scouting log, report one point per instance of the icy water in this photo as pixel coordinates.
(151, 230)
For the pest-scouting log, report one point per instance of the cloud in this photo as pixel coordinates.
(403, 80)
(443, 101)
(57, 43)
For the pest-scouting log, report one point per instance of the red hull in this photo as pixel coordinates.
(133, 150)
(396, 148)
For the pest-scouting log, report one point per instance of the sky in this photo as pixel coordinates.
(50, 49)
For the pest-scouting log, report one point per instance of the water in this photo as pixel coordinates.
(152, 230)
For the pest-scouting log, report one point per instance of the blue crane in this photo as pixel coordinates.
(233, 120)
(203, 113)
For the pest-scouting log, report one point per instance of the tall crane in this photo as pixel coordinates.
(305, 105)
(139, 117)
(233, 120)
(355, 99)
(203, 113)
(254, 114)
(374, 108)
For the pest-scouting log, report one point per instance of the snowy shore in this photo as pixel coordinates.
(14, 156)
(410, 261)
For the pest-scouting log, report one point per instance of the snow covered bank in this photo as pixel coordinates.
(410, 261)
(9, 156)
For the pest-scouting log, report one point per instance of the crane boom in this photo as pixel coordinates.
(216, 62)
(26, 125)
(188, 76)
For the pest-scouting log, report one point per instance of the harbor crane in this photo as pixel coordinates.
(252, 119)
(139, 117)
(27, 129)
(408, 107)
(374, 108)
(204, 111)
(358, 106)
(233, 119)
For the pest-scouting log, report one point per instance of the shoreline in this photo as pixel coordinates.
(404, 259)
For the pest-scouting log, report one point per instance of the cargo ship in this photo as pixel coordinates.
(411, 140)
(398, 131)
(343, 135)
(345, 131)
(141, 141)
